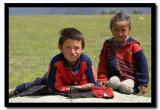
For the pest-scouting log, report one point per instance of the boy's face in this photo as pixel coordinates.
(72, 50)
(120, 30)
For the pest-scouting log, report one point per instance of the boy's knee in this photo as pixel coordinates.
(113, 82)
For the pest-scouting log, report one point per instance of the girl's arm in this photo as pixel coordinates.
(142, 76)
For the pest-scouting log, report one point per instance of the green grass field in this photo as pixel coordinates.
(33, 41)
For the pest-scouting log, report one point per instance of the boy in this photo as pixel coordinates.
(69, 69)
(123, 65)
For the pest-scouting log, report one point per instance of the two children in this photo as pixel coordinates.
(122, 66)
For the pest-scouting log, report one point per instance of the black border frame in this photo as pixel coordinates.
(153, 103)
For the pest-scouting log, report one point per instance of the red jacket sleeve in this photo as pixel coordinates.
(102, 66)
(59, 84)
(87, 73)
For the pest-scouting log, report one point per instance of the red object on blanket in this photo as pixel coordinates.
(103, 92)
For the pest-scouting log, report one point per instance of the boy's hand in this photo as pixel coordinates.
(89, 85)
(84, 86)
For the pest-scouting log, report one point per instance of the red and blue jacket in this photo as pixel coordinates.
(127, 62)
(61, 76)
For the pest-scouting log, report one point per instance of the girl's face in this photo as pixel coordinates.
(72, 50)
(120, 30)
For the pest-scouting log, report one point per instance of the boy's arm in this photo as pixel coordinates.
(60, 86)
(90, 75)
(84, 87)
(84, 83)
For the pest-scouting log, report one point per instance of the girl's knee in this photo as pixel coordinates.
(113, 82)
(126, 86)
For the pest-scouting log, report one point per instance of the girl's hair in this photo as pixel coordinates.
(70, 33)
(120, 17)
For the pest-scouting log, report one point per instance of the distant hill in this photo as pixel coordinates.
(42, 11)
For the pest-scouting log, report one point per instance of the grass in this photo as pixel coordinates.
(33, 41)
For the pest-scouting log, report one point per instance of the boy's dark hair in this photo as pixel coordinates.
(120, 17)
(70, 33)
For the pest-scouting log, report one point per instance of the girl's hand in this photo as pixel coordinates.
(143, 89)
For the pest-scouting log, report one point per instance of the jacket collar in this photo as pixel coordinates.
(75, 68)
(130, 40)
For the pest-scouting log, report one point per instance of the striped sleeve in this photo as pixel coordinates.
(102, 66)
(142, 75)
(136, 47)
